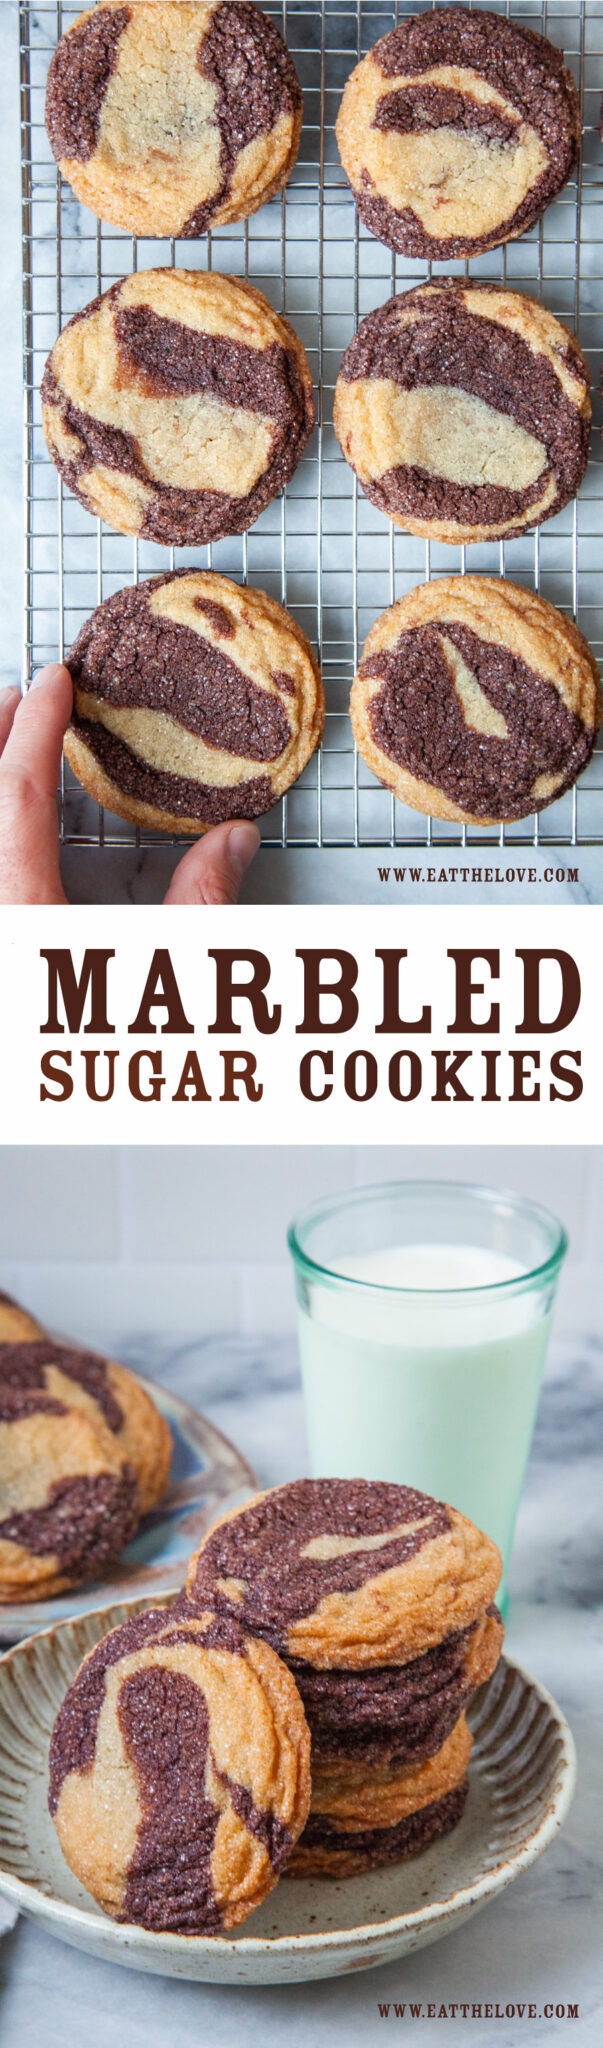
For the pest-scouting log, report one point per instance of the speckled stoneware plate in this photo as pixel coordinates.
(522, 1780)
(207, 1476)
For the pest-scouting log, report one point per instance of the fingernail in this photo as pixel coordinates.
(243, 843)
(9, 690)
(47, 675)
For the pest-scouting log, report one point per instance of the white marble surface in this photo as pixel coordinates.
(344, 876)
(541, 1941)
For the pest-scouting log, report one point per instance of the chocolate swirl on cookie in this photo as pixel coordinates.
(71, 1497)
(347, 1574)
(277, 1559)
(464, 411)
(84, 1452)
(476, 700)
(456, 131)
(84, 1523)
(180, 706)
(139, 657)
(418, 718)
(80, 70)
(400, 1715)
(38, 1363)
(177, 405)
(17, 1401)
(256, 85)
(357, 1792)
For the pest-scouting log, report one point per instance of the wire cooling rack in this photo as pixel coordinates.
(321, 549)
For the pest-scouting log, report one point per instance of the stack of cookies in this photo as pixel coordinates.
(299, 1710)
(379, 1599)
(84, 1452)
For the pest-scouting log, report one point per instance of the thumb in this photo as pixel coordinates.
(213, 869)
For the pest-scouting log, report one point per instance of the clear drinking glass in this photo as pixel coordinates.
(424, 1311)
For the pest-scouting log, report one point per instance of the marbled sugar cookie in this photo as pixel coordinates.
(476, 701)
(69, 1499)
(177, 405)
(347, 1572)
(456, 131)
(180, 1773)
(464, 410)
(168, 117)
(396, 1715)
(111, 1397)
(360, 1823)
(195, 701)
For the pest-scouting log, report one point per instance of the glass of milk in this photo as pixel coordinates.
(424, 1311)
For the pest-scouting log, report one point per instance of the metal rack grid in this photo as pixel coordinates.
(321, 549)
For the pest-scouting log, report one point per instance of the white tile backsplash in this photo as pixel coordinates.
(222, 1202)
(155, 1305)
(267, 1297)
(562, 1177)
(145, 1251)
(58, 1202)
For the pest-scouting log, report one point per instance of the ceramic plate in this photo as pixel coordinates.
(521, 1784)
(207, 1476)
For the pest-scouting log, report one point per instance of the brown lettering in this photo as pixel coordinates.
(491, 1056)
(520, 1091)
(569, 1005)
(467, 988)
(228, 991)
(161, 992)
(415, 1075)
(305, 1076)
(52, 1071)
(90, 1058)
(191, 1077)
(342, 988)
(561, 1071)
(351, 1076)
(392, 1021)
(448, 1087)
(154, 1076)
(240, 1067)
(62, 977)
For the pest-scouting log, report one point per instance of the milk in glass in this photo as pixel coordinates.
(431, 1390)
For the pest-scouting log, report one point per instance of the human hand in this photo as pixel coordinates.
(31, 741)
